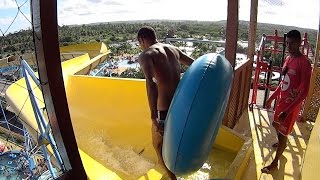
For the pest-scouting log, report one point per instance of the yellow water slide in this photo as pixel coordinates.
(110, 117)
(93, 49)
(66, 52)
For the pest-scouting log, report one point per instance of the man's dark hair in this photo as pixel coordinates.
(295, 34)
(147, 32)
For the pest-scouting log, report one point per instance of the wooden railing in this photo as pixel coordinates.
(238, 100)
(312, 105)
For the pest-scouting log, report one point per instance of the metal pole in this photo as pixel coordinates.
(284, 45)
(100, 69)
(30, 72)
(39, 115)
(267, 90)
(33, 103)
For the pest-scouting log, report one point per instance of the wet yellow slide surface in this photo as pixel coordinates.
(112, 125)
(111, 122)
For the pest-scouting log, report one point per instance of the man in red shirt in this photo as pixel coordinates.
(292, 90)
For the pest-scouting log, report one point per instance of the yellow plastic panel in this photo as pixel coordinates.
(93, 49)
(111, 120)
(311, 162)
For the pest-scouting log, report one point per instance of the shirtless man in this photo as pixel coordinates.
(161, 67)
(292, 90)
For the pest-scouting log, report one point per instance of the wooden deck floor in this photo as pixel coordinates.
(257, 124)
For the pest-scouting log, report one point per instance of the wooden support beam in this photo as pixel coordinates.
(230, 52)
(45, 33)
(252, 29)
(232, 31)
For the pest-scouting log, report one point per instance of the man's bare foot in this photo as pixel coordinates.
(169, 177)
(173, 177)
(269, 168)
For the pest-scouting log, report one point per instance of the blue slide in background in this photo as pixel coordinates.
(196, 112)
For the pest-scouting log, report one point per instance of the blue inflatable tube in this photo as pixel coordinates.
(195, 113)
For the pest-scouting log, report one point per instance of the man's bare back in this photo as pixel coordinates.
(161, 67)
(166, 71)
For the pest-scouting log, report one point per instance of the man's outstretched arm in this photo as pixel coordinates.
(184, 58)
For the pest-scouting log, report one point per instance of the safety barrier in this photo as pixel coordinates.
(238, 100)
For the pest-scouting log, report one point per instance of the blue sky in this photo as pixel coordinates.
(8, 11)
(286, 12)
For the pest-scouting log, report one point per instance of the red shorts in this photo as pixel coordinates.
(285, 127)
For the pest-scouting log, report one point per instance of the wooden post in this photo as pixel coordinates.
(316, 56)
(232, 31)
(251, 42)
(231, 48)
(252, 29)
(45, 34)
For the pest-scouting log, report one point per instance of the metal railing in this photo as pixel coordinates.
(43, 126)
(168, 40)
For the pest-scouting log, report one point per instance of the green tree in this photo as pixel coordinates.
(241, 49)
(121, 32)
(277, 58)
(125, 47)
(133, 73)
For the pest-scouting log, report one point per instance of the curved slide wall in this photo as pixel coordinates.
(111, 121)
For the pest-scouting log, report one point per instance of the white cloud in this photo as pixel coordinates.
(286, 12)
(5, 21)
(244, 10)
(87, 11)
(292, 13)
(6, 4)
(274, 2)
(19, 23)
(24, 20)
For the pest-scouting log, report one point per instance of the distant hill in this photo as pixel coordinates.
(221, 22)
(265, 28)
(122, 31)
